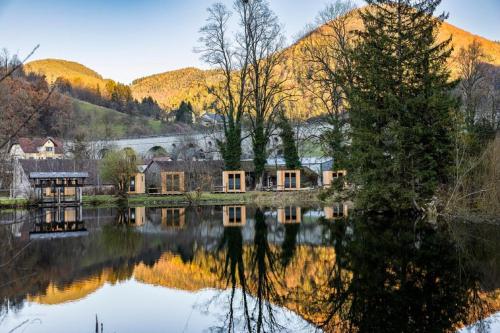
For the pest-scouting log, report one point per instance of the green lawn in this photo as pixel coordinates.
(100, 121)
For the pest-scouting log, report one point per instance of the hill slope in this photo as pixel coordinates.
(190, 84)
(99, 122)
(77, 74)
(169, 89)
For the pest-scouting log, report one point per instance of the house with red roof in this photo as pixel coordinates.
(37, 149)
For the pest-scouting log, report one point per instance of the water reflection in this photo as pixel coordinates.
(397, 276)
(356, 274)
(58, 221)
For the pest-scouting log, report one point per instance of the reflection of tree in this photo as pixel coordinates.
(233, 273)
(392, 276)
(262, 272)
(289, 245)
(259, 279)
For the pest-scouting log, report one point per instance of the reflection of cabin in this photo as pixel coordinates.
(137, 184)
(337, 211)
(234, 216)
(233, 182)
(173, 217)
(288, 180)
(136, 215)
(330, 176)
(58, 187)
(58, 221)
(289, 215)
(172, 182)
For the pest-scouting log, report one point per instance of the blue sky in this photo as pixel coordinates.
(127, 39)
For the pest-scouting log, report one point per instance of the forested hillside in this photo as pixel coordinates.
(77, 74)
(171, 88)
(190, 84)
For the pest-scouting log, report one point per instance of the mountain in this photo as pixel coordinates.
(189, 84)
(77, 74)
(170, 88)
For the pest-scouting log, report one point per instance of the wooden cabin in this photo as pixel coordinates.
(330, 176)
(173, 217)
(172, 182)
(137, 184)
(234, 216)
(58, 188)
(233, 182)
(289, 214)
(288, 180)
(336, 211)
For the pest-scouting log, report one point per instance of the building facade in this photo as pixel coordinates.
(37, 149)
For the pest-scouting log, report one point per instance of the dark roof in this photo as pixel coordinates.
(31, 145)
(52, 175)
(92, 167)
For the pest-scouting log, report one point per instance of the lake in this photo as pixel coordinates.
(244, 269)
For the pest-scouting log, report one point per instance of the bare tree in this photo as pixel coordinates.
(264, 42)
(326, 51)
(229, 56)
(472, 71)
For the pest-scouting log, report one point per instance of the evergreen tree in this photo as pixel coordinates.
(184, 113)
(290, 151)
(400, 104)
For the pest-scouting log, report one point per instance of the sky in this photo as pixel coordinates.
(128, 39)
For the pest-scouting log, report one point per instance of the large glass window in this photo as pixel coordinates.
(290, 180)
(173, 182)
(234, 182)
(132, 184)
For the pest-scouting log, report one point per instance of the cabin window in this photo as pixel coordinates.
(234, 214)
(290, 214)
(234, 182)
(132, 184)
(49, 149)
(173, 182)
(290, 180)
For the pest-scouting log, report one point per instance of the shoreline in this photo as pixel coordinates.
(270, 199)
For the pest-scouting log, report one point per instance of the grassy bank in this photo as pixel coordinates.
(258, 198)
(270, 199)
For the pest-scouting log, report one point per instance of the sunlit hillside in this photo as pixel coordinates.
(171, 88)
(190, 84)
(76, 73)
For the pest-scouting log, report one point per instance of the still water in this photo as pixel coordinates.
(243, 269)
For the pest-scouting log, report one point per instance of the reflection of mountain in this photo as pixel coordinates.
(55, 294)
(346, 271)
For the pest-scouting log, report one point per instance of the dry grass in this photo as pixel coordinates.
(476, 192)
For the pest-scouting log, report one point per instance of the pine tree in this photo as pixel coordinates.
(290, 151)
(400, 105)
(184, 113)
